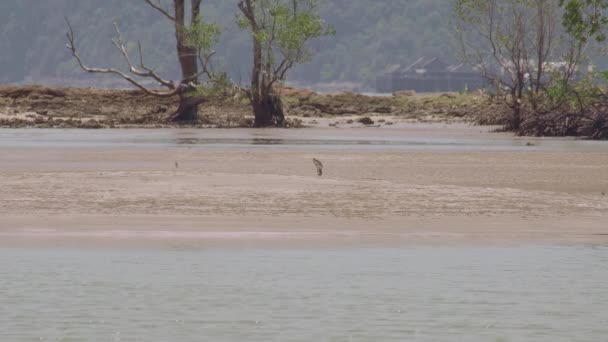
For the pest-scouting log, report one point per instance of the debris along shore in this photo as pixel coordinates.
(55, 107)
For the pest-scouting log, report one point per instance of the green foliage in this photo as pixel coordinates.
(573, 95)
(283, 29)
(293, 31)
(202, 36)
(585, 18)
(220, 88)
(470, 10)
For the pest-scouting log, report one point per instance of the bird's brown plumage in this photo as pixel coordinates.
(319, 166)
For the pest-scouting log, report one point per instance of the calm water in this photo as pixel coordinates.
(414, 294)
(463, 139)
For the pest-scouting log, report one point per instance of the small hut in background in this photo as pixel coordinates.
(426, 75)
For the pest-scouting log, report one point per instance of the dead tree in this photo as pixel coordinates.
(189, 57)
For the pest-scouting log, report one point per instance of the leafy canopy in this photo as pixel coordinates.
(285, 27)
(201, 35)
(585, 18)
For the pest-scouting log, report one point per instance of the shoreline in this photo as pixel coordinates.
(63, 107)
(155, 231)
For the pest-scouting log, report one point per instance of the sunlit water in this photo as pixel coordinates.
(409, 294)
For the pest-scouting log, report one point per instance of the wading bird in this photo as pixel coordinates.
(319, 166)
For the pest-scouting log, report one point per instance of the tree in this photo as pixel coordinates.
(280, 31)
(194, 43)
(516, 44)
(585, 18)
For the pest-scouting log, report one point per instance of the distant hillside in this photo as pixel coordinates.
(371, 34)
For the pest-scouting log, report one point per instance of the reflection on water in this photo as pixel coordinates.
(304, 142)
(261, 141)
(228, 141)
(419, 294)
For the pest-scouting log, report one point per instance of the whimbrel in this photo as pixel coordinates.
(319, 166)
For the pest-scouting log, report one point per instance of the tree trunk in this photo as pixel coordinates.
(186, 112)
(187, 55)
(516, 100)
(268, 111)
(267, 107)
(516, 118)
(187, 59)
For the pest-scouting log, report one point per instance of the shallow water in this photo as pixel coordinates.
(417, 137)
(413, 294)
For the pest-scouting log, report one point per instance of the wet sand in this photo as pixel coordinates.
(430, 185)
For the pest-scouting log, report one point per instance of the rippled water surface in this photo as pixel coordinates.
(414, 294)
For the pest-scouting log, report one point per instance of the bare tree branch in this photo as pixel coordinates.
(189, 56)
(118, 43)
(157, 6)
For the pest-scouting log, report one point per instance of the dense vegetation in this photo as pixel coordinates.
(370, 34)
(515, 43)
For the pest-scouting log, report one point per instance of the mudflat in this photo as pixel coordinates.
(418, 184)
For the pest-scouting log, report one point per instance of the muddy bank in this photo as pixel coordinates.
(54, 107)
